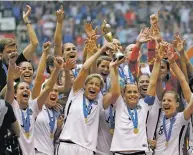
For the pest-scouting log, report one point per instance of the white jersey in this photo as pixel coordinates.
(124, 139)
(75, 128)
(104, 135)
(177, 136)
(107, 85)
(42, 141)
(153, 118)
(26, 144)
(76, 70)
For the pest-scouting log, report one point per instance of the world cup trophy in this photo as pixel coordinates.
(106, 31)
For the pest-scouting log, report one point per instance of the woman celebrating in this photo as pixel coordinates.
(24, 110)
(79, 134)
(171, 126)
(131, 115)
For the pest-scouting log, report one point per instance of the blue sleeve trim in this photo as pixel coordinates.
(149, 99)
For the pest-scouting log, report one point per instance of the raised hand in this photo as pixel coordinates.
(117, 62)
(108, 47)
(46, 47)
(58, 62)
(12, 58)
(69, 64)
(26, 14)
(60, 121)
(178, 43)
(144, 36)
(161, 48)
(60, 14)
(58, 107)
(89, 30)
(91, 45)
(171, 57)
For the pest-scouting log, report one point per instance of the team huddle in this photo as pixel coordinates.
(110, 105)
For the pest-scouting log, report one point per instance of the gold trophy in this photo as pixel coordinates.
(106, 31)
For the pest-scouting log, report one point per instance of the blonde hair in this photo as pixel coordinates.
(7, 41)
(91, 76)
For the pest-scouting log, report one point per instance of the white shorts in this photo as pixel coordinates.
(72, 149)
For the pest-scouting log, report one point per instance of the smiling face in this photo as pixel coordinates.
(92, 88)
(26, 72)
(53, 97)
(22, 93)
(131, 95)
(169, 104)
(143, 84)
(103, 68)
(69, 51)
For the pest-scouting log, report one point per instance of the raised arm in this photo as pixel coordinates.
(143, 37)
(40, 71)
(115, 90)
(58, 32)
(58, 63)
(9, 95)
(180, 76)
(178, 44)
(30, 49)
(151, 90)
(79, 81)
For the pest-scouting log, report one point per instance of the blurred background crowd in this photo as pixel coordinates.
(126, 19)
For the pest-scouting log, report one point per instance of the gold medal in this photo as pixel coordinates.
(111, 131)
(136, 130)
(86, 120)
(27, 135)
(51, 135)
(166, 144)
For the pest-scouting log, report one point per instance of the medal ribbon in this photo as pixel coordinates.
(172, 121)
(112, 121)
(26, 121)
(86, 108)
(5, 68)
(122, 74)
(75, 73)
(133, 119)
(52, 119)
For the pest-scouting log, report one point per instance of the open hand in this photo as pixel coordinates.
(69, 64)
(178, 43)
(89, 30)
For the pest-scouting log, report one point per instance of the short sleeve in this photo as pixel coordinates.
(149, 99)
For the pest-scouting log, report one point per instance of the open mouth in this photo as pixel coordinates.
(72, 56)
(25, 95)
(104, 74)
(92, 92)
(53, 98)
(166, 107)
(27, 76)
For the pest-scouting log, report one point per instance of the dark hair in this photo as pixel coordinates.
(101, 58)
(143, 74)
(60, 75)
(165, 60)
(129, 84)
(49, 63)
(16, 86)
(28, 62)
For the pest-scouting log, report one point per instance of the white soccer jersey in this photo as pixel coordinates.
(153, 118)
(177, 136)
(104, 135)
(26, 144)
(107, 85)
(42, 141)
(124, 139)
(75, 128)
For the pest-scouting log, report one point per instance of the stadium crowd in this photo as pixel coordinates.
(111, 78)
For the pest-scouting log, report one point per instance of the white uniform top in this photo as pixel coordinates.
(124, 139)
(104, 136)
(75, 128)
(26, 144)
(77, 69)
(43, 142)
(153, 118)
(177, 136)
